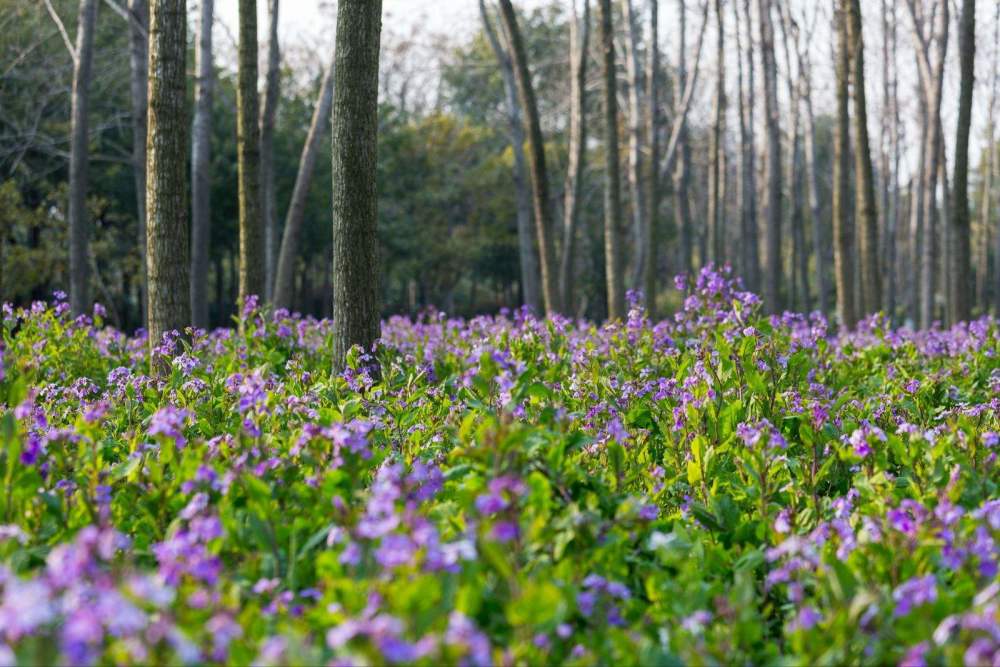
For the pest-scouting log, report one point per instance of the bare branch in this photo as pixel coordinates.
(680, 120)
(62, 29)
(127, 16)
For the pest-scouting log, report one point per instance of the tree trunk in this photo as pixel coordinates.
(248, 157)
(138, 63)
(917, 214)
(681, 175)
(748, 174)
(284, 279)
(800, 257)
(960, 255)
(536, 163)
(652, 132)
(843, 232)
(166, 172)
(891, 155)
(772, 259)
(355, 204)
(717, 167)
(201, 166)
(268, 205)
(612, 185)
(864, 189)
(636, 171)
(579, 38)
(79, 225)
(530, 287)
(932, 81)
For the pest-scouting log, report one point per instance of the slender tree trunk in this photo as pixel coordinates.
(636, 171)
(987, 204)
(843, 233)
(961, 260)
(579, 38)
(932, 81)
(891, 156)
(681, 175)
(79, 225)
(652, 186)
(866, 211)
(284, 280)
(269, 109)
(166, 172)
(612, 185)
(536, 163)
(772, 260)
(748, 176)
(716, 167)
(530, 287)
(800, 258)
(201, 166)
(138, 62)
(917, 214)
(355, 203)
(812, 179)
(248, 157)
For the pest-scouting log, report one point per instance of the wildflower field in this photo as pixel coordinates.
(719, 487)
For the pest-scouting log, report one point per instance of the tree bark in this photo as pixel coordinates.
(891, 155)
(138, 63)
(269, 109)
(843, 232)
(800, 258)
(355, 204)
(201, 165)
(681, 175)
(536, 164)
(932, 81)
(579, 38)
(525, 235)
(636, 172)
(864, 190)
(166, 172)
(772, 259)
(612, 184)
(749, 256)
(248, 157)
(652, 132)
(961, 261)
(717, 162)
(284, 279)
(79, 225)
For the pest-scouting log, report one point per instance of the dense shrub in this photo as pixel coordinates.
(721, 487)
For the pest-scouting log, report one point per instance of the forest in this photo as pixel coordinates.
(499, 332)
(738, 142)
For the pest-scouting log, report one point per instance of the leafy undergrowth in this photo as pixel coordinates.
(721, 487)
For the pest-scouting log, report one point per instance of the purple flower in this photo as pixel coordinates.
(170, 422)
(504, 531)
(913, 593)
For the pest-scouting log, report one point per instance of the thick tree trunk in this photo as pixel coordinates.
(864, 189)
(201, 166)
(717, 161)
(843, 232)
(166, 172)
(652, 186)
(636, 172)
(960, 255)
(579, 38)
(796, 175)
(138, 35)
(248, 157)
(772, 259)
(355, 204)
(536, 163)
(530, 287)
(269, 109)
(612, 185)
(79, 225)
(284, 279)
